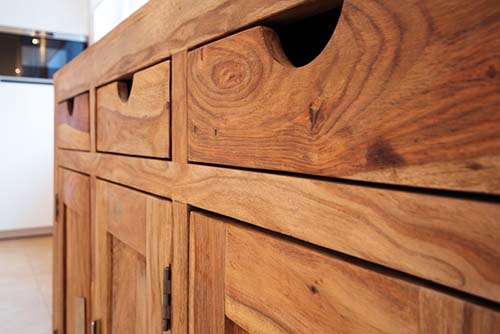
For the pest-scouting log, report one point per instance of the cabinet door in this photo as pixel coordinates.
(72, 277)
(244, 280)
(133, 248)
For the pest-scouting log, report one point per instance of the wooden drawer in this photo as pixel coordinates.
(73, 123)
(244, 280)
(133, 116)
(133, 242)
(410, 86)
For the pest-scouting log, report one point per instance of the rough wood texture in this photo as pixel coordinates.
(400, 85)
(179, 107)
(58, 252)
(58, 260)
(92, 118)
(125, 215)
(128, 286)
(301, 290)
(170, 26)
(73, 123)
(231, 328)
(180, 269)
(101, 294)
(446, 315)
(130, 270)
(206, 280)
(426, 235)
(94, 308)
(138, 124)
(404, 93)
(80, 320)
(159, 222)
(75, 198)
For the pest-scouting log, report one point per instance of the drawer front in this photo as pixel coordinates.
(73, 123)
(245, 280)
(133, 116)
(133, 247)
(400, 84)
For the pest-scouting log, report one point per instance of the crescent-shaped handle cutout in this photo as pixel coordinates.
(71, 106)
(125, 88)
(302, 41)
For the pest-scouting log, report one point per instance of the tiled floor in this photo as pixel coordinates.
(26, 285)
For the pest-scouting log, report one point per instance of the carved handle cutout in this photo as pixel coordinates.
(125, 88)
(302, 41)
(71, 106)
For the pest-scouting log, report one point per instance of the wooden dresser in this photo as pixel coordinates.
(282, 166)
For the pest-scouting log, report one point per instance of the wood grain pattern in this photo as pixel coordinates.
(130, 269)
(126, 212)
(73, 123)
(95, 308)
(92, 118)
(299, 290)
(206, 281)
(138, 124)
(231, 328)
(180, 268)
(101, 261)
(158, 256)
(251, 318)
(128, 286)
(75, 198)
(58, 260)
(57, 242)
(443, 314)
(170, 26)
(422, 234)
(400, 84)
(404, 93)
(459, 175)
(80, 319)
(179, 107)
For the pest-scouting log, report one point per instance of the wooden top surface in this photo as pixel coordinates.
(163, 27)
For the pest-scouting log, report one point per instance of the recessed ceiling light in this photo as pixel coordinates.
(35, 41)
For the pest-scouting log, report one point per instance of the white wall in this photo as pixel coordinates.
(65, 16)
(27, 118)
(107, 14)
(26, 151)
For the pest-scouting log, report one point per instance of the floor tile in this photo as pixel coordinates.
(26, 285)
(44, 285)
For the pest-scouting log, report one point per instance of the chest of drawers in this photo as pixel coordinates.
(297, 166)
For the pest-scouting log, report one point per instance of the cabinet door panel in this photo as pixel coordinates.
(75, 198)
(244, 279)
(206, 268)
(133, 246)
(128, 284)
